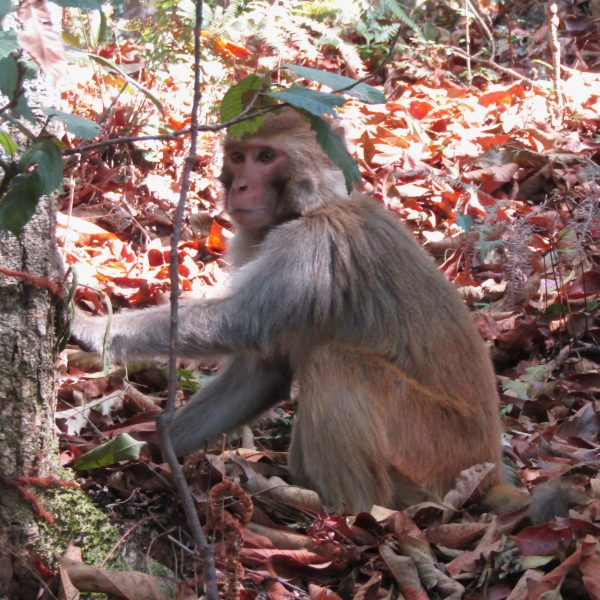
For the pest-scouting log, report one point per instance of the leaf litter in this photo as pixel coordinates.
(509, 207)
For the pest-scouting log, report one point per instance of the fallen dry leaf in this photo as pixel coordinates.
(119, 584)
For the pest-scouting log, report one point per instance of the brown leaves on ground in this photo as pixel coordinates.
(502, 188)
(78, 576)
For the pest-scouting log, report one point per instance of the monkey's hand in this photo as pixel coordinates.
(87, 330)
(129, 334)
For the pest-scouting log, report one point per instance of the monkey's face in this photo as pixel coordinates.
(254, 175)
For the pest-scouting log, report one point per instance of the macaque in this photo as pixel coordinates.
(396, 389)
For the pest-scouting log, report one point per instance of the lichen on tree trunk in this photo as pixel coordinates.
(30, 321)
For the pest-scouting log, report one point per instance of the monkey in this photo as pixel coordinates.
(397, 393)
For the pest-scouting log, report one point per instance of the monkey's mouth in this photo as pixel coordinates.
(250, 217)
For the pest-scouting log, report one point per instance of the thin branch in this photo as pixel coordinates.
(18, 125)
(493, 65)
(478, 15)
(126, 140)
(163, 421)
(468, 41)
(168, 136)
(220, 126)
(42, 283)
(554, 22)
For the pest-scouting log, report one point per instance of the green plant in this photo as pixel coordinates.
(30, 156)
(290, 25)
(379, 22)
(254, 92)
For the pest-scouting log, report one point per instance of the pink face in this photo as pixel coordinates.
(254, 175)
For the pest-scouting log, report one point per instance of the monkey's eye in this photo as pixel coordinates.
(237, 157)
(266, 155)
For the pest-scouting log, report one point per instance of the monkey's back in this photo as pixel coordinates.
(407, 376)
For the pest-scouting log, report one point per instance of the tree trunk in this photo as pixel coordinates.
(29, 324)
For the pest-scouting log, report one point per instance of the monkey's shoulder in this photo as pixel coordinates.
(354, 206)
(340, 214)
(354, 227)
(357, 220)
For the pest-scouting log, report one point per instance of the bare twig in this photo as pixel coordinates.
(42, 283)
(493, 65)
(468, 41)
(163, 421)
(167, 136)
(126, 140)
(245, 114)
(472, 9)
(555, 48)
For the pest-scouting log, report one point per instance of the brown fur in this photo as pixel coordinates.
(397, 392)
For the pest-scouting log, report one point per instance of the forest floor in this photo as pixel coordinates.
(499, 183)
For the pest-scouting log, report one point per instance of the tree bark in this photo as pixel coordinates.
(30, 319)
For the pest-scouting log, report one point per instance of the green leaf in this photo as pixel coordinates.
(22, 109)
(519, 388)
(534, 562)
(430, 31)
(90, 4)
(45, 153)
(593, 305)
(9, 76)
(100, 34)
(8, 143)
(236, 98)
(316, 103)
(240, 97)
(237, 130)
(556, 309)
(20, 201)
(123, 447)
(362, 91)
(334, 147)
(8, 42)
(79, 126)
(6, 6)
(465, 222)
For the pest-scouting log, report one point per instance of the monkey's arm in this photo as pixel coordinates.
(285, 292)
(245, 389)
(142, 333)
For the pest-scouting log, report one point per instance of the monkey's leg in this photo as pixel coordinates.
(340, 443)
(247, 387)
(342, 457)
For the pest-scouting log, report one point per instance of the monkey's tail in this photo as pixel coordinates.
(551, 499)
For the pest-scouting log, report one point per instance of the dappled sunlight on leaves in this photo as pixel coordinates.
(501, 192)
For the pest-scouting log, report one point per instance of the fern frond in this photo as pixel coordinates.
(301, 38)
(398, 12)
(383, 34)
(232, 12)
(352, 57)
(272, 33)
(348, 52)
